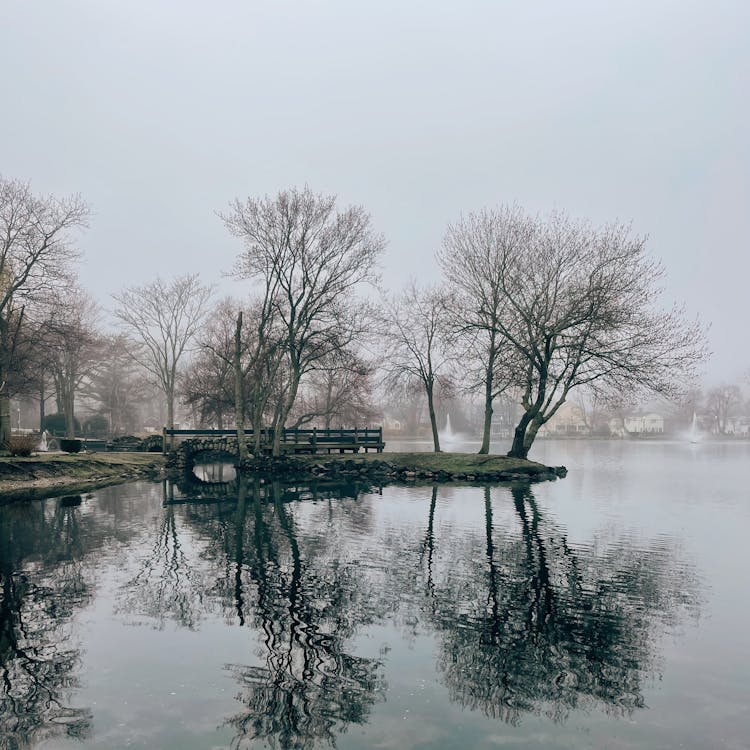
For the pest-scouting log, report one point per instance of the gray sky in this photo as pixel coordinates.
(160, 112)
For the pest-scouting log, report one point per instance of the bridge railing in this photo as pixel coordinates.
(297, 440)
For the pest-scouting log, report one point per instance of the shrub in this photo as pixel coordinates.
(55, 423)
(22, 445)
(70, 445)
(152, 444)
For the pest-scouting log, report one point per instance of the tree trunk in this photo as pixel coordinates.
(289, 403)
(257, 426)
(42, 404)
(488, 388)
(433, 422)
(239, 394)
(487, 428)
(531, 432)
(170, 416)
(5, 425)
(69, 409)
(518, 449)
(525, 433)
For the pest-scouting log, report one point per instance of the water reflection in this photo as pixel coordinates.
(215, 473)
(537, 627)
(309, 686)
(523, 621)
(44, 582)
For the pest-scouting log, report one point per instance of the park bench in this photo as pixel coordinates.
(334, 443)
(296, 440)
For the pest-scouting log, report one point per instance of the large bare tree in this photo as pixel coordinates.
(309, 257)
(473, 256)
(413, 329)
(73, 345)
(116, 384)
(338, 392)
(163, 318)
(36, 253)
(208, 382)
(577, 305)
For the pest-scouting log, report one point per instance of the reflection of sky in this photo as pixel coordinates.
(215, 472)
(168, 687)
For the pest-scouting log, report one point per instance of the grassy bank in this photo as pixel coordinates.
(42, 474)
(389, 467)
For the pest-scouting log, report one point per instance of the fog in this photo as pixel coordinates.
(160, 113)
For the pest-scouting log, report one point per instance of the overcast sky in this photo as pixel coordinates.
(159, 113)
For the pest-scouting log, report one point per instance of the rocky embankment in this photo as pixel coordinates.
(405, 467)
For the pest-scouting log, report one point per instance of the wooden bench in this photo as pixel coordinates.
(294, 440)
(333, 443)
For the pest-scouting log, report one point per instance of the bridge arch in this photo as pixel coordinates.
(205, 450)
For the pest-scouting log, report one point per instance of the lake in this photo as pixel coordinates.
(608, 609)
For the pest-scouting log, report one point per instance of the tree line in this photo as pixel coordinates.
(529, 308)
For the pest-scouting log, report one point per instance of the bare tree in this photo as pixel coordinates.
(473, 255)
(576, 306)
(339, 391)
(310, 258)
(208, 382)
(163, 318)
(238, 368)
(35, 257)
(73, 345)
(722, 403)
(413, 326)
(116, 384)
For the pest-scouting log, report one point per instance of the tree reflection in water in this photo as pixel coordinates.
(44, 582)
(167, 585)
(537, 627)
(308, 688)
(525, 623)
(306, 601)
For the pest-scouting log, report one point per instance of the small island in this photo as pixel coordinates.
(45, 474)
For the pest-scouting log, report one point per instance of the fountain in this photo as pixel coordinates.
(447, 436)
(694, 435)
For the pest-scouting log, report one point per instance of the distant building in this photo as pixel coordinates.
(738, 426)
(650, 423)
(390, 424)
(568, 420)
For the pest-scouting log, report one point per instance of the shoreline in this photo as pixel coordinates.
(42, 475)
(406, 467)
(45, 475)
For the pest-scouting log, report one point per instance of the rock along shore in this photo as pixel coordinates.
(405, 467)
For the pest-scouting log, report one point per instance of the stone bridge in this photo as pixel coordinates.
(204, 450)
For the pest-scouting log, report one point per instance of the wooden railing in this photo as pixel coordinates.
(295, 440)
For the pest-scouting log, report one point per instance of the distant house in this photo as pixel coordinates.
(390, 424)
(738, 426)
(568, 420)
(650, 423)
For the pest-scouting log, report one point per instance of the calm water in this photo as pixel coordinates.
(609, 609)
